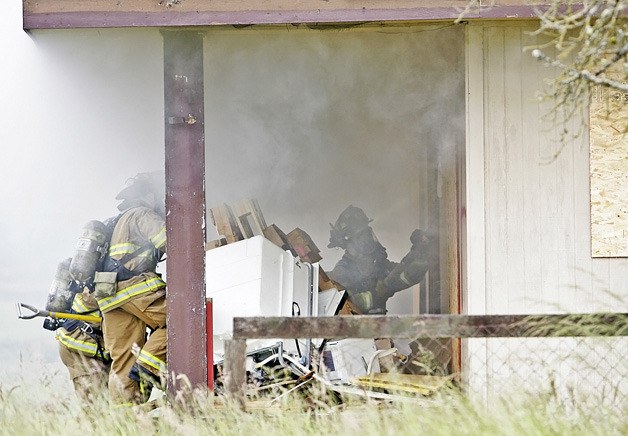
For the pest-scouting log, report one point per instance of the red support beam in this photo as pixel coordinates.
(210, 344)
(185, 206)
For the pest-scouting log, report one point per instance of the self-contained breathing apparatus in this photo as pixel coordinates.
(91, 267)
(77, 273)
(62, 290)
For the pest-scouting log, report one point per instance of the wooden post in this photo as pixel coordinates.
(185, 206)
(235, 370)
(433, 326)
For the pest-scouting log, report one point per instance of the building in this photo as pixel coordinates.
(396, 109)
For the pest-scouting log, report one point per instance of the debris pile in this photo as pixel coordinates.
(244, 219)
(344, 363)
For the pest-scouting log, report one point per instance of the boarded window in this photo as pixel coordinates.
(609, 171)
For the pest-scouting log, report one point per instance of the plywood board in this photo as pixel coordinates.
(609, 171)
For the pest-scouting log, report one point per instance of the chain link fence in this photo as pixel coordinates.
(577, 359)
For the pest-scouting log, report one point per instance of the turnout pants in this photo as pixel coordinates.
(88, 374)
(125, 326)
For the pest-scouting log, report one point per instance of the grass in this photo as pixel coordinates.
(40, 405)
(35, 409)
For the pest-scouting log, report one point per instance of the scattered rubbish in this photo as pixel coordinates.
(254, 269)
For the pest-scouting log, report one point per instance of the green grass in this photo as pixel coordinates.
(35, 409)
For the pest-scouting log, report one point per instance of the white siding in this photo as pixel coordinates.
(527, 245)
(536, 256)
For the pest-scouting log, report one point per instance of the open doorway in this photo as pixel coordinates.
(310, 121)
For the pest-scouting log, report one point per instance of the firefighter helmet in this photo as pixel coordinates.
(147, 189)
(351, 221)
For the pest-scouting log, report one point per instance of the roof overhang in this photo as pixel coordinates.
(59, 14)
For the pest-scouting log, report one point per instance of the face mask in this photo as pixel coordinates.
(363, 244)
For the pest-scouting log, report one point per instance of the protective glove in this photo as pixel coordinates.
(364, 300)
(373, 302)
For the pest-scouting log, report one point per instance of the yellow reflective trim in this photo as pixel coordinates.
(159, 240)
(127, 248)
(84, 347)
(124, 248)
(131, 291)
(151, 360)
(78, 306)
(121, 405)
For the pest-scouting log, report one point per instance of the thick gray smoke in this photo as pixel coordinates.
(310, 121)
(307, 122)
(83, 111)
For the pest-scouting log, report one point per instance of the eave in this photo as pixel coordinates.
(59, 14)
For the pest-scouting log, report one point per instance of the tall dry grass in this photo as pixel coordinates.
(36, 410)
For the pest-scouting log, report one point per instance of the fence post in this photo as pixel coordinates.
(235, 370)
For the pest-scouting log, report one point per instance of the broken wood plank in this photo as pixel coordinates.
(350, 308)
(324, 282)
(304, 246)
(279, 238)
(249, 211)
(215, 244)
(244, 222)
(223, 218)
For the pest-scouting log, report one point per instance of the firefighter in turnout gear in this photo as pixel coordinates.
(81, 348)
(365, 261)
(365, 271)
(136, 299)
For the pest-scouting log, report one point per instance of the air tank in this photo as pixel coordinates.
(60, 294)
(90, 251)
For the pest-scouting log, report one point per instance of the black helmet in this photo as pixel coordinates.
(351, 221)
(147, 189)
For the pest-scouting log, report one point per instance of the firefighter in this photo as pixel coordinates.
(138, 299)
(365, 261)
(364, 270)
(81, 348)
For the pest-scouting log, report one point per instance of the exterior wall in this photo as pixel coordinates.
(528, 246)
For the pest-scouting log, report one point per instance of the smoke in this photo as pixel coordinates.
(310, 121)
(82, 113)
(307, 122)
